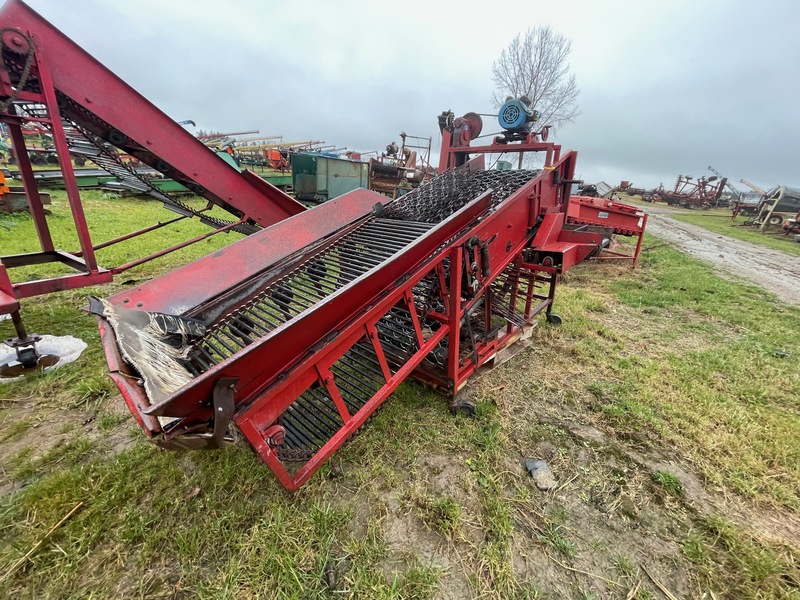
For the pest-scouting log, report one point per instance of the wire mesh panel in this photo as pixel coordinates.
(314, 418)
(451, 190)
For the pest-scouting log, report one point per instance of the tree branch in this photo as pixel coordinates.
(535, 64)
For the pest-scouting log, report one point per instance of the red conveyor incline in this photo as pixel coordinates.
(96, 99)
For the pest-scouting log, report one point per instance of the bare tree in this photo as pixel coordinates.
(535, 65)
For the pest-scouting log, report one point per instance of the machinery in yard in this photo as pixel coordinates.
(768, 208)
(792, 226)
(776, 205)
(733, 196)
(704, 192)
(319, 178)
(328, 311)
(748, 203)
(13, 198)
(47, 80)
(401, 169)
(625, 220)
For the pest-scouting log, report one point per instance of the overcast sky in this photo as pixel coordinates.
(667, 88)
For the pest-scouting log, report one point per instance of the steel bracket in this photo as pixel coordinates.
(224, 391)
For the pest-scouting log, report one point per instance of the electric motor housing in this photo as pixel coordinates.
(515, 115)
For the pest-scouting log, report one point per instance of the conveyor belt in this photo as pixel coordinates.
(299, 290)
(350, 258)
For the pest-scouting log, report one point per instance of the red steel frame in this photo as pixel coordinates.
(624, 219)
(484, 261)
(67, 83)
(261, 383)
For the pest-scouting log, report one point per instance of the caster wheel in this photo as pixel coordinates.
(275, 435)
(554, 319)
(463, 407)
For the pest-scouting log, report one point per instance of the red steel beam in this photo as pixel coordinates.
(193, 284)
(150, 135)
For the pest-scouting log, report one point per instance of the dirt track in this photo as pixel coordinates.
(775, 271)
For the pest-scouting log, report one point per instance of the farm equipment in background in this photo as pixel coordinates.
(329, 311)
(624, 220)
(749, 202)
(775, 205)
(768, 209)
(705, 192)
(792, 226)
(216, 139)
(273, 161)
(596, 190)
(318, 177)
(627, 188)
(13, 198)
(263, 151)
(733, 196)
(47, 80)
(399, 170)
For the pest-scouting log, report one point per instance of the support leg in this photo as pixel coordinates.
(24, 345)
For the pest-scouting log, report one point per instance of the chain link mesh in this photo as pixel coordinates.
(452, 190)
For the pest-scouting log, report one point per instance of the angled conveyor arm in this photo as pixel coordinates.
(94, 98)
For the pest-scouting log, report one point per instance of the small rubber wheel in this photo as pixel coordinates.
(775, 220)
(463, 407)
(554, 319)
(275, 435)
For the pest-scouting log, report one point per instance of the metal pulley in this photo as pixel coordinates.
(15, 41)
(466, 128)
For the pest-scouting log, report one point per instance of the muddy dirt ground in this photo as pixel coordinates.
(775, 271)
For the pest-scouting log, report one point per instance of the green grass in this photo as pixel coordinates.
(772, 238)
(668, 358)
(108, 216)
(739, 563)
(554, 537)
(719, 221)
(669, 482)
(442, 515)
(102, 210)
(624, 565)
(688, 359)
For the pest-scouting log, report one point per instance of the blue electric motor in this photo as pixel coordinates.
(516, 116)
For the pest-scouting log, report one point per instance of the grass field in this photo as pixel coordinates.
(667, 406)
(772, 238)
(719, 220)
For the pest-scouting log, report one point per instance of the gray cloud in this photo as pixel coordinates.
(667, 88)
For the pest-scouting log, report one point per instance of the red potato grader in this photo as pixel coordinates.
(296, 334)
